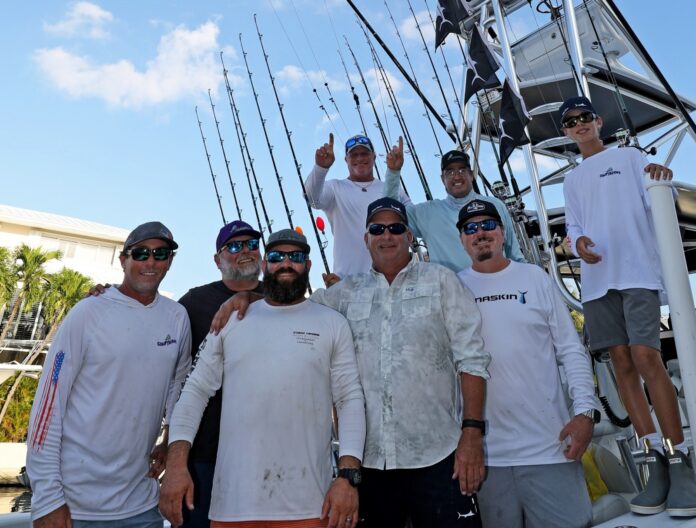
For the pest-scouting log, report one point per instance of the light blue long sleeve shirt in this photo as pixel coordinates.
(436, 222)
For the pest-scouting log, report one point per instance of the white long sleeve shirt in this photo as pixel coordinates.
(345, 204)
(528, 332)
(280, 369)
(113, 369)
(606, 200)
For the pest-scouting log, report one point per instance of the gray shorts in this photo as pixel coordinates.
(541, 496)
(149, 519)
(623, 317)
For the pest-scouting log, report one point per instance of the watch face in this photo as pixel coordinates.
(352, 475)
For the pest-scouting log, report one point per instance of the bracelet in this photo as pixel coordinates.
(477, 424)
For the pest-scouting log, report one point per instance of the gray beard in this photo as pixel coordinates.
(243, 273)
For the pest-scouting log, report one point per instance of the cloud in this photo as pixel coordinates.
(83, 19)
(185, 65)
(292, 79)
(409, 31)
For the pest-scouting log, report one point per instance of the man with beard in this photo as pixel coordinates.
(533, 446)
(434, 220)
(345, 201)
(281, 369)
(238, 257)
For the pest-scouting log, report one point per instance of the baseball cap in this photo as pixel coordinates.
(576, 103)
(287, 236)
(234, 229)
(477, 208)
(452, 156)
(150, 230)
(359, 141)
(386, 204)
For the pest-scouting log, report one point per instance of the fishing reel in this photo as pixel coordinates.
(625, 139)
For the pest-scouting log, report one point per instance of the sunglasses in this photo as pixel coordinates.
(585, 117)
(358, 140)
(236, 245)
(274, 257)
(394, 229)
(471, 228)
(450, 173)
(141, 254)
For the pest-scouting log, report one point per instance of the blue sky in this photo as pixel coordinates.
(98, 105)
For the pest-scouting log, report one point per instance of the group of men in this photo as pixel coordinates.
(448, 398)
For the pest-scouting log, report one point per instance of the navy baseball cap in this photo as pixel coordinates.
(234, 229)
(454, 156)
(287, 236)
(150, 230)
(386, 204)
(576, 103)
(477, 208)
(359, 141)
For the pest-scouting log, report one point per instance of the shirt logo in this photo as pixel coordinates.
(305, 338)
(167, 341)
(610, 172)
(500, 297)
(522, 298)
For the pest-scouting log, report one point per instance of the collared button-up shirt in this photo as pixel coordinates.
(411, 337)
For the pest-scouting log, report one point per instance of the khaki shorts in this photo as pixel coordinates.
(623, 317)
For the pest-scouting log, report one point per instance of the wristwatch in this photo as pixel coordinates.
(477, 424)
(352, 475)
(592, 414)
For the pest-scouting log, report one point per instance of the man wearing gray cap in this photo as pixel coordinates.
(281, 369)
(434, 220)
(114, 369)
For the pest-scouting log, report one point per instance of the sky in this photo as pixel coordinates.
(98, 104)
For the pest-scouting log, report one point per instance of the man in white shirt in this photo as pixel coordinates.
(115, 367)
(281, 370)
(345, 201)
(610, 227)
(533, 446)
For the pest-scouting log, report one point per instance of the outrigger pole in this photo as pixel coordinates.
(224, 155)
(248, 167)
(210, 166)
(322, 244)
(279, 179)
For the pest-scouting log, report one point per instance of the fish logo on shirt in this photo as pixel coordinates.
(522, 298)
(610, 172)
(167, 341)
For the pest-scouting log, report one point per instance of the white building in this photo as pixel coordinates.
(87, 247)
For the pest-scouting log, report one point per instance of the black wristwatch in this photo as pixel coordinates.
(478, 424)
(352, 475)
(592, 414)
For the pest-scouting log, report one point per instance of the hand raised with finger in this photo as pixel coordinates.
(395, 157)
(324, 155)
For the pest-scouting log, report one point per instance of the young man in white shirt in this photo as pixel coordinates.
(610, 228)
(533, 446)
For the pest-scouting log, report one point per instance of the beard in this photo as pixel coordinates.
(285, 292)
(245, 272)
(487, 253)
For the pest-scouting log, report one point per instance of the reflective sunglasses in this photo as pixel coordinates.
(585, 117)
(394, 229)
(358, 140)
(274, 256)
(489, 224)
(450, 173)
(236, 245)
(141, 254)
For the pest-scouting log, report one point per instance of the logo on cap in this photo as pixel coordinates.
(475, 206)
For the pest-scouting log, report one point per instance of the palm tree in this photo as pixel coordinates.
(62, 291)
(30, 275)
(7, 278)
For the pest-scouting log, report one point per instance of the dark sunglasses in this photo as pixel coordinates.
(488, 224)
(585, 117)
(394, 229)
(451, 173)
(358, 140)
(274, 256)
(141, 254)
(236, 245)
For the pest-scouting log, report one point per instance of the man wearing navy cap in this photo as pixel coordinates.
(238, 257)
(621, 290)
(345, 201)
(434, 220)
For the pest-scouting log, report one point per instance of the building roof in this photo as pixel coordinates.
(61, 224)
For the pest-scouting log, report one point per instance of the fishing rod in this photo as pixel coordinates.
(265, 133)
(224, 155)
(322, 243)
(356, 99)
(210, 166)
(413, 72)
(403, 72)
(248, 168)
(399, 117)
(436, 77)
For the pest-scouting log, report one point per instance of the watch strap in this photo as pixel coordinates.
(477, 424)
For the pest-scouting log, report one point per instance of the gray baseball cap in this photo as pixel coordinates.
(287, 236)
(150, 230)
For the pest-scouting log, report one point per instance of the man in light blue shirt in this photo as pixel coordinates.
(434, 220)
